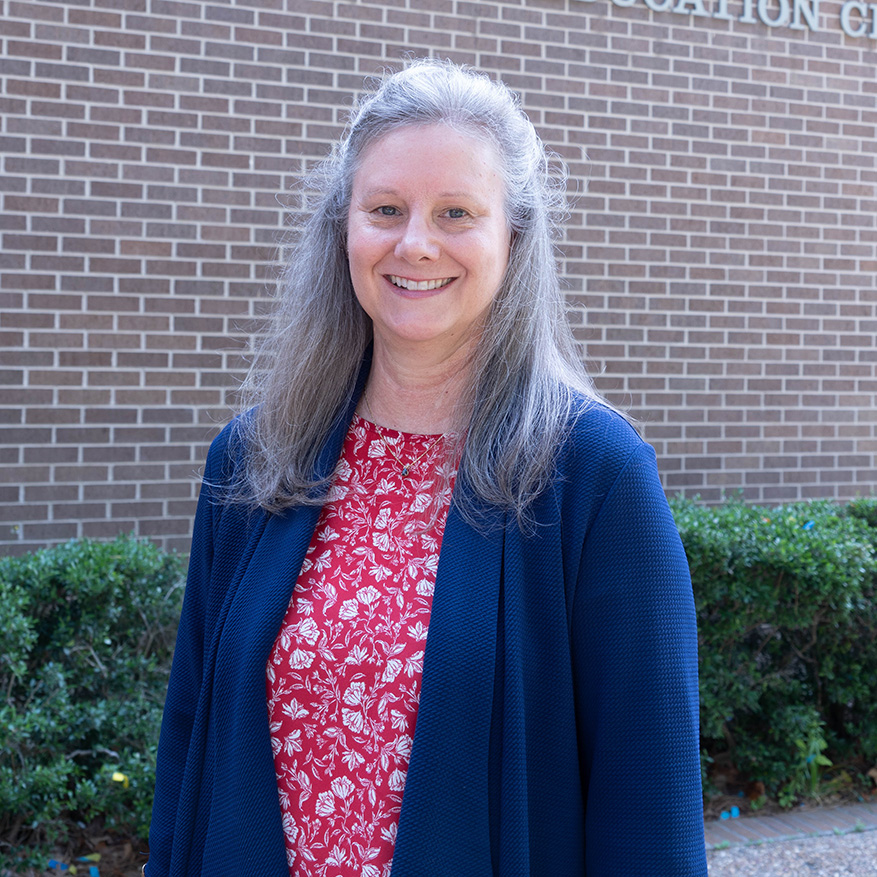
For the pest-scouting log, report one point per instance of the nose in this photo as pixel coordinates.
(418, 241)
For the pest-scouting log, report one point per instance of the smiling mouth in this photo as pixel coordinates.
(418, 285)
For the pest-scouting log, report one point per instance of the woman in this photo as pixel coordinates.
(424, 453)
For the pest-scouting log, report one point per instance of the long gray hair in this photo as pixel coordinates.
(526, 380)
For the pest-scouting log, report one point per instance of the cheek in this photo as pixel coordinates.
(497, 252)
(364, 247)
(357, 253)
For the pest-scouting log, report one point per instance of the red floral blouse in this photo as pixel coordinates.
(343, 678)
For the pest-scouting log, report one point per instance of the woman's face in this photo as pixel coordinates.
(427, 237)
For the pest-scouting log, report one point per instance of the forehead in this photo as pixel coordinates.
(428, 155)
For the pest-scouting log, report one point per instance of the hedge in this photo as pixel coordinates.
(87, 636)
(785, 602)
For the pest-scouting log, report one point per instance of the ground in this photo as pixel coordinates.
(122, 858)
(118, 857)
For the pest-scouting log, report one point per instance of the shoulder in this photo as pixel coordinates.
(600, 443)
(225, 498)
(594, 420)
(604, 466)
(226, 456)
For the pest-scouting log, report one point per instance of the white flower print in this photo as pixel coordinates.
(418, 630)
(343, 677)
(300, 659)
(276, 740)
(293, 710)
(290, 829)
(397, 780)
(380, 573)
(283, 794)
(329, 594)
(355, 693)
(352, 759)
(353, 719)
(357, 655)
(337, 492)
(342, 787)
(392, 670)
(414, 664)
(309, 631)
(421, 502)
(348, 610)
(381, 540)
(383, 703)
(368, 595)
(384, 518)
(304, 783)
(337, 856)
(325, 804)
(324, 561)
(292, 743)
(385, 486)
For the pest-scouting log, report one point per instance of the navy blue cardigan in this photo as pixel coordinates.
(557, 732)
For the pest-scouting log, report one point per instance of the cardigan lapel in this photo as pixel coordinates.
(444, 825)
(265, 582)
(249, 629)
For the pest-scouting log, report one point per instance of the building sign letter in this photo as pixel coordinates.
(861, 9)
(695, 7)
(810, 13)
(782, 17)
(858, 18)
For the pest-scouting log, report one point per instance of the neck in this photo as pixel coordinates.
(416, 395)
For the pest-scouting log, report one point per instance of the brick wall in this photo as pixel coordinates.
(720, 256)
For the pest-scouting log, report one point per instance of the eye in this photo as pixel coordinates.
(457, 213)
(386, 210)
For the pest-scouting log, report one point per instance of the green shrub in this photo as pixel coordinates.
(788, 636)
(785, 601)
(87, 637)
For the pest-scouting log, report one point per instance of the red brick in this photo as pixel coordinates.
(720, 237)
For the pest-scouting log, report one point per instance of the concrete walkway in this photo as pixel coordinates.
(818, 822)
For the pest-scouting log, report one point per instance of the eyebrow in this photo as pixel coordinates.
(373, 193)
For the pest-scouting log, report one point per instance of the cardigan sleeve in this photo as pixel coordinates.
(185, 680)
(634, 644)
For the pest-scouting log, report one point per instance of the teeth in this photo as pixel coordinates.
(420, 286)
